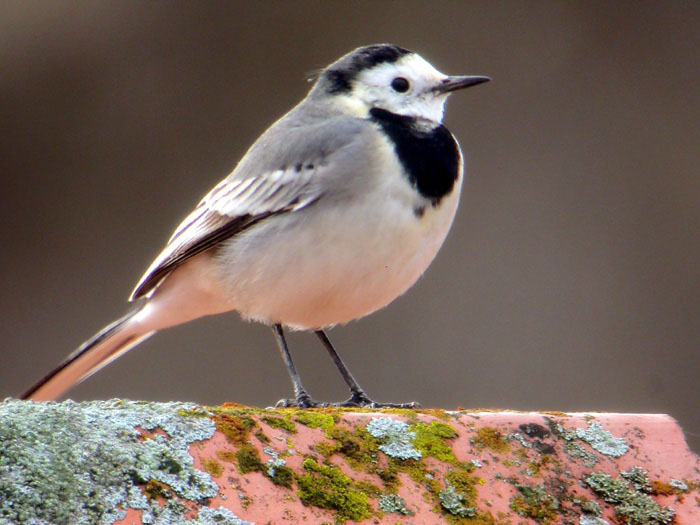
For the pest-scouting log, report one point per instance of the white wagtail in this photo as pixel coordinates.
(336, 210)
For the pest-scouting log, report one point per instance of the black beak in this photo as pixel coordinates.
(459, 82)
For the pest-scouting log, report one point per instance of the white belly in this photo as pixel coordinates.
(333, 262)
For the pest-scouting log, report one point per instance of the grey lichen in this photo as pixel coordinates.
(517, 436)
(591, 520)
(220, 516)
(559, 430)
(679, 484)
(591, 508)
(393, 503)
(598, 438)
(602, 440)
(453, 502)
(638, 508)
(273, 463)
(88, 462)
(397, 440)
(639, 479)
(592, 513)
(576, 451)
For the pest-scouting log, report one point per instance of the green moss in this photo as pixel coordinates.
(464, 483)
(261, 436)
(283, 476)
(155, 489)
(438, 413)
(248, 459)
(235, 428)
(458, 498)
(411, 415)
(327, 448)
(228, 456)
(388, 476)
(534, 502)
(358, 447)
(415, 469)
(327, 487)
(314, 419)
(492, 439)
(193, 412)
(521, 454)
(212, 467)
(431, 440)
(283, 423)
(479, 519)
(368, 488)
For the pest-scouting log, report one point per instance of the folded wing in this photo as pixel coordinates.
(285, 171)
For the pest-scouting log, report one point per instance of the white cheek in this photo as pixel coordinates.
(427, 107)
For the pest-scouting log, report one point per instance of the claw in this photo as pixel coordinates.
(302, 401)
(360, 400)
(356, 400)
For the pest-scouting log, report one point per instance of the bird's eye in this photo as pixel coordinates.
(400, 84)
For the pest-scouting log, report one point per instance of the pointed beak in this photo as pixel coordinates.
(451, 84)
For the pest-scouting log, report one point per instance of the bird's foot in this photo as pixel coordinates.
(356, 400)
(360, 400)
(302, 401)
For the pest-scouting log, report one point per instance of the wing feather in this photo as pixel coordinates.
(283, 172)
(223, 213)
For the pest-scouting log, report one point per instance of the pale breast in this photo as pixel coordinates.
(337, 260)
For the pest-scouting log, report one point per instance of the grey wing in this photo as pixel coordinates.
(286, 170)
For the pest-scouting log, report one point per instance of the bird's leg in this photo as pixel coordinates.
(302, 398)
(356, 393)
(358, 398)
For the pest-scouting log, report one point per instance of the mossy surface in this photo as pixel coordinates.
(534, 501)
(492, 439)
(155, 489)
(315, 419)
(213, 467)
(229, 456)
(362, 465)
(235, 428)
(248, 459)
(327, 487)
(433, 441)
(280, 422)
(262, 437)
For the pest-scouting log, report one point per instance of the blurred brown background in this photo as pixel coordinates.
(569, 280)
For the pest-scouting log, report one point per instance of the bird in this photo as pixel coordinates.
(336, 210)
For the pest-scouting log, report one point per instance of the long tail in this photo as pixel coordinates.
(104, 347)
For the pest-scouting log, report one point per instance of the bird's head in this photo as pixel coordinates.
(388, 77)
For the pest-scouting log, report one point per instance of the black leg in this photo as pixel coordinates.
(358, 398)
(355, 388)
(302, 398)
